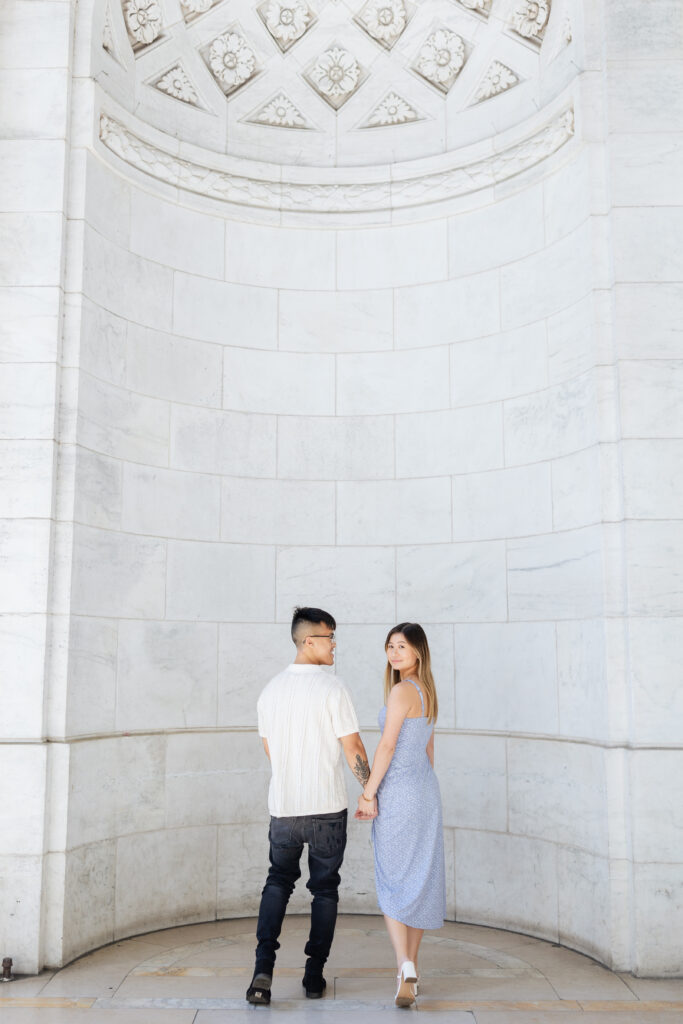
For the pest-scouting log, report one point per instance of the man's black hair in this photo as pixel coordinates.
(314, 616)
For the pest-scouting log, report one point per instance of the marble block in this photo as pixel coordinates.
(215, 582)
(354, 584)
(23, 767)
(91, 694)
(472, 776)
(225, 443)
(452, 582)
(278, 382)
(656, 805)
(249, 655)
(277, 511)
(22, 668)
(170, 503)
(420, 511)
(89, 897)
(557, 575)
(176, 236)
(134, 569)
(335, 447)
(499, 367)
(449, 311)
(27, 401)
(392, 382)
(328, 321)
(21, 893)
(391, 257)
(452, 441)
(502, 503)
(584, 903)
(180, 369)
(656, 652)
(225, 313)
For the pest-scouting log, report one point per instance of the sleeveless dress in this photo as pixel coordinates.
(407, 833)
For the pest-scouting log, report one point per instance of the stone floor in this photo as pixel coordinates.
(470, 975)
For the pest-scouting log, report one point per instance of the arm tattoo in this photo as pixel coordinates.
(361, 770)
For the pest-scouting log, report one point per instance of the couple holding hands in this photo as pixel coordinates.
(306, 720)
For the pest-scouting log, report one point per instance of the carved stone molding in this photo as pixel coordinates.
(176, 82)
(335, 75)
(391, 110)
(530, 18)
(286, 20)
(338, 196)
(441, 58)
(497, 79)
(279, 112)
(143, 21)
(384, 20)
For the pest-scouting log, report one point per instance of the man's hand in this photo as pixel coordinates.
(367, 810)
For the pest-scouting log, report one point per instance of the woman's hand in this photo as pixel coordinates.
(367, 809)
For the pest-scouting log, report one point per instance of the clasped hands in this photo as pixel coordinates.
(367, 809)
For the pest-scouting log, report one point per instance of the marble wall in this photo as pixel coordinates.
(466, 415)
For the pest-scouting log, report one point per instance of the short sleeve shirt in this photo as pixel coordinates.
(303, 712)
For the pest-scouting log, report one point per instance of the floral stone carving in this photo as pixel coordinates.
(384, 20)
(279, 112)
(176, 83)
(335, 75)
(194, 7)
(231, 60)
(483, 6)
(498, 78)
(441, 58)
(393, 109)
(286, 20)
(143, 21)
(530, 18)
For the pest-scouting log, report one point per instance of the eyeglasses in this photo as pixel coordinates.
(325, 636)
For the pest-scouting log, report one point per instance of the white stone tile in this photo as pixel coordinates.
(170, 503)
(148, 869)
(167, 675)
(557, 791)
(27, 400)
(354, 584)
(629, 36)
(450, 311)
(215, 779)
(249, 655)
(22, 667)
(392, 382)
(277, 511)
(645, 96)
(116, 421)
(25, 564)
(29, 324)
(217, 582)
(584, 904)
(97, 499)
(91, 693)
(572, 345)
(242, 853)
(506, 881)
(35, 103)
(647, 244)
(107, 201)
(452, 582)
(335, 448)
(656, 783)
(89, 897)
(311, 321)
(277, 257)
(22, 813)
(658, 919)
(175, 236)
(581, 676)
(494, 235)
(20, 909)
(394, 511)
(174, 368)
(548, 281)
(653, 483)
(502, 503)
(101, 341)
(551, 423)
(473, 780)
(452, 441)
(33, 174)
(118, 574)
(224, 313)
(26, 469)
(647, 175)
(655, 656)
(499, 367)
(506, 678)
(649, 320)
(576, 487)
(116, 787)
(127, 284)
(278, 382)
(34, 35)
(567, 196)
(651, 398)
(654, 553)
(30, 248)
(556, 576)
(392, 257)
(210, 441)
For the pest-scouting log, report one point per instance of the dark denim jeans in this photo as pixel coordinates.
(326, 838)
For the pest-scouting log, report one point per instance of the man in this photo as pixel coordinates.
(306, 719)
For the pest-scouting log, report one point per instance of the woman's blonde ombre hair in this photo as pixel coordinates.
(417, 638)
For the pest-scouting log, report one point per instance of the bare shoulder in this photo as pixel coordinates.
(402, 694)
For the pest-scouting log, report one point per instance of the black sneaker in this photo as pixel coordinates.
(258, 992)
(315, 985)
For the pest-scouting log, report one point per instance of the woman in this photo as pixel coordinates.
(407, 832)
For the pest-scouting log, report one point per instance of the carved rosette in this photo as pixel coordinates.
(176, 83)
(335, 76)
(529, 19)
(498, 78)
(393, 109)
(482, 6)
(232, 61)
(193, 8)
(384, 20)
(441, 58)
(143, 21)
(279, 112)
(286, 20)
(107, 34)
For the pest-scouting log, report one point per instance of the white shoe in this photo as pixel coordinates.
(407, 979)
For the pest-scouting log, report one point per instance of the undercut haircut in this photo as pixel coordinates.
(311, 617)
